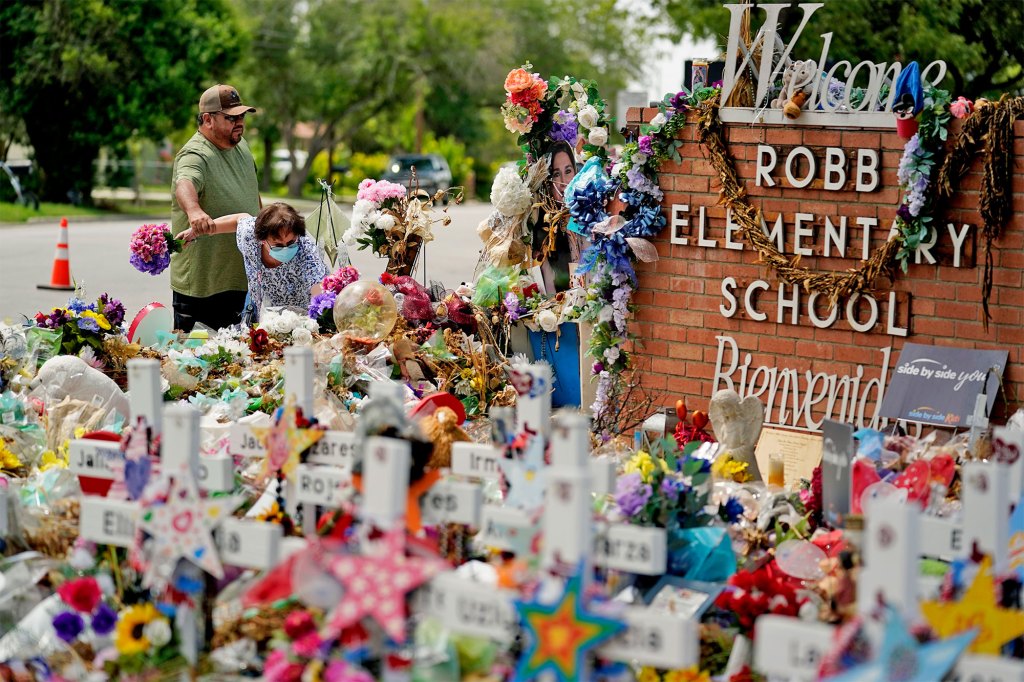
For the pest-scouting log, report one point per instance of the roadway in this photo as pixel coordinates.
(99, 261)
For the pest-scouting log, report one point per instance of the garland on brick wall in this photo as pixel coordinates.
(990, 123)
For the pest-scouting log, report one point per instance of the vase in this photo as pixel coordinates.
(906, 127)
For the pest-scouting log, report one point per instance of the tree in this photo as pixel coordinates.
(352, 69)
(979, 40)
(83, 74)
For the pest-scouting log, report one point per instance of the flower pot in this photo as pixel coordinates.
(906, 127)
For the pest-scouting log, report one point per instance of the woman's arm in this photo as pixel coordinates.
(224, 224)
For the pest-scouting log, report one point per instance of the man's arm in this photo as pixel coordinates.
(188, 199)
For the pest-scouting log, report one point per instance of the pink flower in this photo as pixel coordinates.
(279, 669)
(962, 107)
(339, 671)
(367, 182)
(307, 645)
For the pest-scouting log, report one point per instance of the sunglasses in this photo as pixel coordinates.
(233, 119)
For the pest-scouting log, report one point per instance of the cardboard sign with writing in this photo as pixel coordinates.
(938, 384)
(838, 450)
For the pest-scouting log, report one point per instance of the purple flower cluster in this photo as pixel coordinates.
(151, 247)
(564, 128)
(645, 144)
(631, 493)
(680, 101)
(56, 319)
(113, 309)
(672, 488)
(321, 302)
(513, 307)
(68, 625)
(157, 263)
(913, 178)
(641, 183)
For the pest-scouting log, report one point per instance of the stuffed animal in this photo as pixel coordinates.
(66, 376)
(796, 87)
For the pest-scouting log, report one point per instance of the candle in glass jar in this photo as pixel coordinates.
(777, 469)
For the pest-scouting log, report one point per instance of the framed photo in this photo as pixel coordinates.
(685, 598)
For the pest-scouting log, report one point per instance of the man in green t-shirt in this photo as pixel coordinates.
(214, 175)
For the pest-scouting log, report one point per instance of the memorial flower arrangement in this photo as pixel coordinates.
(288, 325)
(565, 109)
(922, 155)
(393, 224)
(321, 308)
(85, 326)
(151, 248)
(87, 612)
(669, 491)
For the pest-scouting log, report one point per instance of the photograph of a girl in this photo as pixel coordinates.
(556, 268)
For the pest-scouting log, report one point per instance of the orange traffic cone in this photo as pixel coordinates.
(60, 279)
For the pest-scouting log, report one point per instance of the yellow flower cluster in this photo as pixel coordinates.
(727, 468)
(100, 318)
(694, 674)
(644, 464)
(8, 460)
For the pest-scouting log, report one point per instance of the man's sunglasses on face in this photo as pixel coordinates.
(232, 119)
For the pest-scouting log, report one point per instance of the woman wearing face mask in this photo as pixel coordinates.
(283, 263)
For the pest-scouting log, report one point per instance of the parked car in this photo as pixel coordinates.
(432, 172)
(281, 163)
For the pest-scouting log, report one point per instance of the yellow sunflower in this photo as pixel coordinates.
(130, 637)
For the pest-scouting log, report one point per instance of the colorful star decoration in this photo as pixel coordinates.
(902, 658)
(376, 584)
(561, 635)
(1015, 555)
(977, 608)
(285, 442)
(181, 529)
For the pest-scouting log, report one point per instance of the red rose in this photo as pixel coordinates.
(82, 594)
(298, 624)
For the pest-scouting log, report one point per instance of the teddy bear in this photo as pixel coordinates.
(796, 87)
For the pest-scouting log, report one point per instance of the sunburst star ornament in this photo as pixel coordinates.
(285, 442)
(376, 584)
(181, 529)
(977, 608)
(561, 635)
(902, 658)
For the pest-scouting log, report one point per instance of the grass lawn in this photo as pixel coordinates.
(13, 213)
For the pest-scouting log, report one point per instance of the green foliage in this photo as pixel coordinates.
(980, 41)
(361, 72)
(455, 153)
(82, 74)
(363, 166)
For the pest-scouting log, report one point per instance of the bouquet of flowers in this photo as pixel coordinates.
(392, 224)
(321, 308)
(152, 246)
(85, 326)
(288, 325)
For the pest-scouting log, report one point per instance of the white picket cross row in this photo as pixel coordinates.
(789, 648)
(890, 551)
(568, 521)
(533, 404)
(145, 396)
(985, 496)
(386, 463)
(654, 638)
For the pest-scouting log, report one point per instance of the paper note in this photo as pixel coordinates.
(802, 453)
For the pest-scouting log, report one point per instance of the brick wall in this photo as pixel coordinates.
(679, 296)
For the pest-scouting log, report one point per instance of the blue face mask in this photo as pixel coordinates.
(284, 253)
